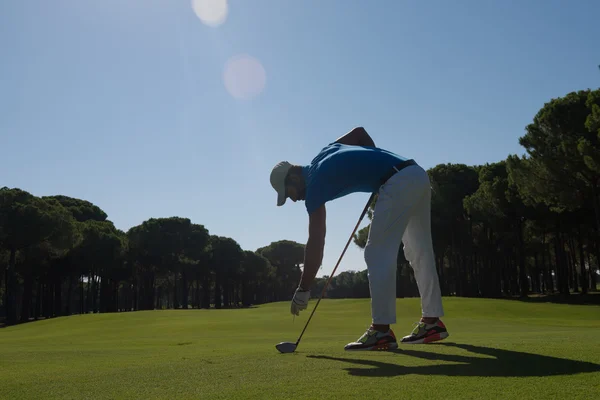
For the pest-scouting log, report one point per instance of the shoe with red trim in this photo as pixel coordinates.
(374, 340)
(426, 333)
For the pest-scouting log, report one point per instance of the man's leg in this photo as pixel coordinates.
(395, 204)
(418, 250)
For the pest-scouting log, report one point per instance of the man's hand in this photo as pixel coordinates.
(300, 301)
(357, 137)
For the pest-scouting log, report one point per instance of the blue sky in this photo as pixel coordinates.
(124, 104)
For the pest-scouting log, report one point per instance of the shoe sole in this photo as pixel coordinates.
(429, 339)
(378, 347)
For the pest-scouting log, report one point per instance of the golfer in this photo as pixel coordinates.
(402, 214)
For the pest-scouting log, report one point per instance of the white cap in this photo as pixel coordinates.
(278, 176)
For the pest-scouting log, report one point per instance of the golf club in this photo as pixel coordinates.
(289, 347)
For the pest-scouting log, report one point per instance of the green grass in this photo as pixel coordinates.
(497, 349)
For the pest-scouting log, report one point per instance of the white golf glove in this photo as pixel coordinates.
(300, 301)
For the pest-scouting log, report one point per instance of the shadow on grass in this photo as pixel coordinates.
(505, 363)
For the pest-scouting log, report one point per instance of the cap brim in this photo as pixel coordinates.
(281, 197)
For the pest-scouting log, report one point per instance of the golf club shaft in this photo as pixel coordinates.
(337, 264)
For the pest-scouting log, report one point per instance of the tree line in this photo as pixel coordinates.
(527, 224)
(63, 256)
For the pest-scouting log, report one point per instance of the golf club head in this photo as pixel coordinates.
(286, 347)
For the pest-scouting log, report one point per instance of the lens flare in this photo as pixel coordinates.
(211, 12)
(244, 77)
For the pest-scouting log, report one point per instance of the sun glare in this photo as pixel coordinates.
(244, 77)
(211, 12)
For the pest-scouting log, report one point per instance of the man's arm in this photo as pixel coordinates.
(356, 137)
(313, 252)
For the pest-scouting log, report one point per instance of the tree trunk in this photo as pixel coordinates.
(69, 295)
(27, 297)
(558, 262)
(573, 263)
(129, 301)
(597, 247)
(144, 293)
(545, 268)
(11, 287)
(474, 287)
(152, 291)
(122, 289)
(132, 300)
(113, 296)
(102, 307)
(148, 295)
(57, 296)
(184, 290)
(159, 297)
(39, 300)
(535, 281)
(226, 299)
(506, 274)
(563, 278)
(463, 275)
(39, 293)
(456, 266)
(175, 294)
(441, 276)
(552, 269)
(488, 282)
(524, 283)
(206, 292)
(479, 268)
(218, 292)
(136, 295)
(118, 295)
(565, 263)
(582, 272)
(245, 293)
(568, 269)
(82, 296)
(596, 202)
(95, 283)
(88, 304)
(3, 285)
(48, 298)
(592, 270)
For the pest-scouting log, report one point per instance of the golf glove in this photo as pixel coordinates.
(300, 301)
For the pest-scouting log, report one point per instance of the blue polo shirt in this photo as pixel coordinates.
(341, 169)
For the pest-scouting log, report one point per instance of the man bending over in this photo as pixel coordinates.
(402, 214)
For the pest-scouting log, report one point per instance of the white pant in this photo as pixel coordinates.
(402, 213)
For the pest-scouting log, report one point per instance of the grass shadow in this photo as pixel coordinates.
(498, 363)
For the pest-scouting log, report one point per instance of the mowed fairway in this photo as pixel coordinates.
(497, 349)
